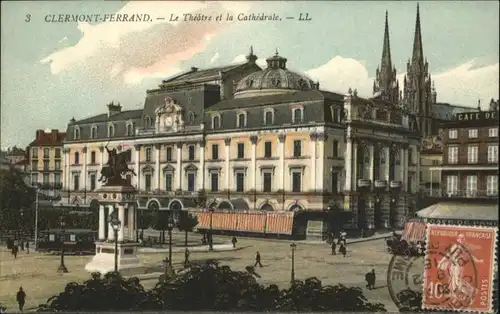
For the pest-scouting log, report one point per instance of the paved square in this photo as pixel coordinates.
(37, 273)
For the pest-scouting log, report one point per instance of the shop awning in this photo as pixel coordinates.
(414, 231)
(460, 211)
(254, 221)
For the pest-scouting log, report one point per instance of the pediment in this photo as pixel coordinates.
(168, 168)
(147, 168)
(190, 167)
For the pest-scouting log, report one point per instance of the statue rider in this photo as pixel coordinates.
(112, 156)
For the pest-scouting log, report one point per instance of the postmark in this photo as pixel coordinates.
(459, 268)
(404, 276)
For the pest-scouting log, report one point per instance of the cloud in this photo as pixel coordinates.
(462, 85)
(215, 58)
(134, 51)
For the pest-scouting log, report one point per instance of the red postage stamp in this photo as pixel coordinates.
(459, 267)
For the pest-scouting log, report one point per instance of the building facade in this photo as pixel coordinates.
(470, 156)
(45, 156)
(241, 138)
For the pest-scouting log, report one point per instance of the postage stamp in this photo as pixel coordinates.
(459, 268)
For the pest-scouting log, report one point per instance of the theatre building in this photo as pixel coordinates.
(266, 148)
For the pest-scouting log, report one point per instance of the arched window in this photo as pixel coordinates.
(297, 115)
(93, 132)
(215, 122)
(130, 129)
(241, 120)
(111, 130)
(76, 134)
(268, 117)
(190, 117)
(77, 158)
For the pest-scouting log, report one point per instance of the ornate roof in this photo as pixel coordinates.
(276, 76)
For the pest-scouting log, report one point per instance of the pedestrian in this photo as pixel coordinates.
(21, 298)
(186, 258)
(15, 250)
(27, 247)
(22, 245)
(257, 260)
(342, 249)
(234, 241)
(370, 279)
(343, 237)
(334, 247)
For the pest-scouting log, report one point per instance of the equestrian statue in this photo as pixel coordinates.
(116, 167)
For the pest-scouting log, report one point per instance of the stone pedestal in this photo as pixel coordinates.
(119, 198)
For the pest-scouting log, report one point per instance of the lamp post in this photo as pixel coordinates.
(62, 268)
(293, 246)
(210, 242)
(20, 234)
(170, 226)
(36, 218)
(116, 225)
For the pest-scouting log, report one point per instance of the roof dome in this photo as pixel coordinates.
(276, 78)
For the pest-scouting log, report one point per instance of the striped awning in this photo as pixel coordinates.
(251, 222)
(258, 222)
(414, 231)
(279, 223)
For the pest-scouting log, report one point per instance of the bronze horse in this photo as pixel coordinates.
(112, 173)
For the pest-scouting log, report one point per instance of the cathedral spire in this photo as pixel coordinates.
(385, 81)
(386, 64)
(418, 51)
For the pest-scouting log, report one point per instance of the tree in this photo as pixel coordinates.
(161, 222)
(15, 194)
(144, 221)
(207, 287)
(186, 223)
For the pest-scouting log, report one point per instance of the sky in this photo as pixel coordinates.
(52, 71)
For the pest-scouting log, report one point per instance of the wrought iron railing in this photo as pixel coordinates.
(444, 193)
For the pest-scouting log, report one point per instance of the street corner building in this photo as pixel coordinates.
(268, 149)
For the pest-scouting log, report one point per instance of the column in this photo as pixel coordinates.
(387, 156)
(201, 171)
(102, 222)
(137, 158)
(253, 173)
(227, 157)
(111, 235)
(68, 167)
(84, 174)
(355, 166)
(321, 161)
(131, 222)
(371, 151)
(178, 169)
(121, 217)
(348, 163)
(403, 166)
(65, 170)
(157, 165)
(312, 148)
(281, 152)
(101, 161)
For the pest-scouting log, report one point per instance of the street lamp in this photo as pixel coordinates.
(21, 214)
(170, 226)
(62, 268)
(116, 225)
(210, 242)
(36, 218)
(293, 246)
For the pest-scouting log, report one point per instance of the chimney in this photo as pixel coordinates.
(479, 105)
(114, 109)
(194, 69)
(39, 134)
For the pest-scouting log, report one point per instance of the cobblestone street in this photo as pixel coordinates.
(37, 272)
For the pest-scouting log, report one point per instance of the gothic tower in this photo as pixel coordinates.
(419, 93)
(386, 84)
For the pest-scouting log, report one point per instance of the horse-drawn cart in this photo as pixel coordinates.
(411, 242)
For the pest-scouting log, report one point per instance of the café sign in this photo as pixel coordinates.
(477, 116)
